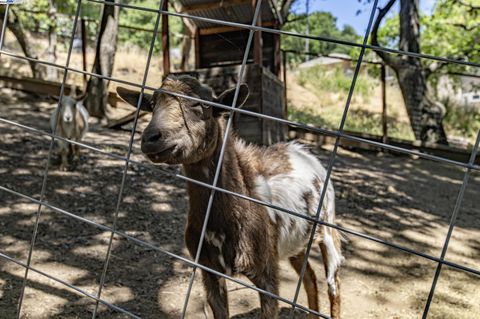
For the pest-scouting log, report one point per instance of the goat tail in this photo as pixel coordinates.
(331, 247)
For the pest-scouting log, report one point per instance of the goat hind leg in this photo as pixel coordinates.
(309, 281)
(331, 253)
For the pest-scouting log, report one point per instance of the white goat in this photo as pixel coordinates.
(72, 123)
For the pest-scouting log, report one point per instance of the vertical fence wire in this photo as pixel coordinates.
(4, 27)
(451, 226)
(332, 159)
(221, 156)
(47, 165)
(127, 161)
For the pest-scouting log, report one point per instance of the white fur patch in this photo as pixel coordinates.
(221, 260)
(205, 171)
(288, 190)
(217, 241)
(263, 190)
(334, 259)
(84, 113)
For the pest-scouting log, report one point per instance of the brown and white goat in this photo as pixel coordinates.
(72, 123)
(242, 237)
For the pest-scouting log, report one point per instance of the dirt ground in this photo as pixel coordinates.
(397, 198)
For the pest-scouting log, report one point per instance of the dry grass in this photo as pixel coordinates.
(325, 108)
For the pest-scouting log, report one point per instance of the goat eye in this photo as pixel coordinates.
(200, 105)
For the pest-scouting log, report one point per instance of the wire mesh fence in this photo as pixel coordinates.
(126, 160)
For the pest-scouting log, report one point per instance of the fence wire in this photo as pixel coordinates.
(468, 167)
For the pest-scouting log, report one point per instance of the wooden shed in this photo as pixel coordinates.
(218, 53)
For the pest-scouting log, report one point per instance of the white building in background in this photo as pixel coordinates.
(333, 59)
(463, 91)
(470, 91)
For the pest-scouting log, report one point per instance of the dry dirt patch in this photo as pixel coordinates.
(392, 197)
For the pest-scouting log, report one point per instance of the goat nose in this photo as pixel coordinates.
(151, 137)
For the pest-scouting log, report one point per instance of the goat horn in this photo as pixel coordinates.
(73, 88)
(82, 95)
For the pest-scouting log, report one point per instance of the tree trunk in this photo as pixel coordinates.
(97, 96)
(16, 27)
(186, 48)
(52, 72)
(426, 115)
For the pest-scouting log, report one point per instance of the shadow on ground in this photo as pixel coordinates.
(395, 198)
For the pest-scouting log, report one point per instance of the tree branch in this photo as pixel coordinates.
(285, 8)
(298, 18)
(388, 59)
(16, 27)
(465, 27)
(438, 65)
(469, 5)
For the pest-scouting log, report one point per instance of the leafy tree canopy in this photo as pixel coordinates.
(321, 24)
(38, 20)
(452, 30)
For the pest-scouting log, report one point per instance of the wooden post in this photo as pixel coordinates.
(84, 51)
(257, 43)
(384, 104)
(165, 41)
(52, 72)
(277, 57)
(198, 61)
(106, 48)
(284, 73)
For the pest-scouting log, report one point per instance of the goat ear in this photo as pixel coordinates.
(131, 97)
(226, 98)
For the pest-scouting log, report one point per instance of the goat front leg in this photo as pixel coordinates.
(76, 154)
(217, 297)
(268, 282)
(63, 146)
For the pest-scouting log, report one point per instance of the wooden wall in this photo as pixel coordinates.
(266, 97)
(227, 48)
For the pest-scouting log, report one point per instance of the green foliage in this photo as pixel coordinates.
(451, 31)
(462, 121)
(40, 22)
(146, 20)
(321, 24)
(139, 19)
(388, 34)
(325, 80)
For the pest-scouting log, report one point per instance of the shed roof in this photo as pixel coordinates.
(240, 11)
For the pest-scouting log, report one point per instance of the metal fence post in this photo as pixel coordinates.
(383, 77)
